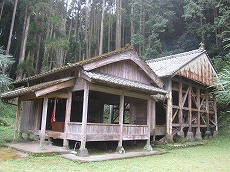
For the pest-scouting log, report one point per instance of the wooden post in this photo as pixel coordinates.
(67, 119)
(153, 119)
(207, 133)
(198, 133)
(120, 148)
(215, 113)
(169, 111)
(43, 125)
(190, 133)
(17, 119)
(181, 132)
(149, 114)
(83, 152)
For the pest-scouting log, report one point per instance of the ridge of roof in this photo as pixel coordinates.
(197, 51)
(128, 47)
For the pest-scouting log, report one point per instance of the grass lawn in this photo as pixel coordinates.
(213, 156)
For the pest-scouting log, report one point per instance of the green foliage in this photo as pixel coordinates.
(5, 62)
(223, 84)
(26, 67)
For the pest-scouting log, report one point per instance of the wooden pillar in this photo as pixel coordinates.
(149, 115)
(215, 113)
(181, 132)
(43, 125)
(67, 118)
(17, 119)
(207, 133)
(190, 133)
(169, 111)
(153, 118)
(120, 148)
(198, 133)
(83, 152)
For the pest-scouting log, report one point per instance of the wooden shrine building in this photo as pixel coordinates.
(118, 97)
(191, 107)
(70, 102)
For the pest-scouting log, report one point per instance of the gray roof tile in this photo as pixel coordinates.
(169, 65)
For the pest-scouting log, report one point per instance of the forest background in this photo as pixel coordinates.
(46, 34)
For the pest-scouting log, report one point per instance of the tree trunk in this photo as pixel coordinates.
(132, 23)
(118, 24)
(25, 35)
(102, 28)
(38, 53)
(11, 27)
(2, 6)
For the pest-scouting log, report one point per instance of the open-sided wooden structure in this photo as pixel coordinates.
(81, 92)
(165, 96)
(191, 106)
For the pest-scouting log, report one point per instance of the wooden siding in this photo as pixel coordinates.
(28, 115)
(199, 70)
(107, 132)
(125, 69)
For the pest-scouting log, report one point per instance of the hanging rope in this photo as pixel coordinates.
(53, 119)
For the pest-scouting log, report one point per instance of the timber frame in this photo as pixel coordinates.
(165, 97)
(78, 94)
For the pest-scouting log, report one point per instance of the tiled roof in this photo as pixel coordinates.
(78, 64)
(104, 78)
(169, 65)
(25, 90)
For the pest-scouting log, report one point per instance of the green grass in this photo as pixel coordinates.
(213, 156)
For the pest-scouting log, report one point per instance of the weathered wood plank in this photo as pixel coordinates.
(56, 87)
(17, 119)
(121, 118)
(43, 125)
(84, 116)
(67, 118)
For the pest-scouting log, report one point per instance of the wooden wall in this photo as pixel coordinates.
(126, 69)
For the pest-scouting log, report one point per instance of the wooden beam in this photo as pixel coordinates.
(185, 96)
(67, 118)
(105, 89)
(43, 125)
(56, 87)
(180, 105)
(169, 111)
(190, 107)
(215, 112)
(150, 112)
(198, 108)
(153, 119)
(17, 119)
(121, 117)
(207, 109)
(83, 151)
(136, 95)
(115, 91)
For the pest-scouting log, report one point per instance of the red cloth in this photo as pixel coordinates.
(53, 116)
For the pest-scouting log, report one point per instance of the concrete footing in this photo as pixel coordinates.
(180, 134)
(190, 136)
(120, 150)
(148, 147)
(83, 152)
(207, 134)
(215, 133)
(198, 135)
